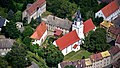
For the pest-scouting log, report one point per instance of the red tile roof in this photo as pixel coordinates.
(88, 25)
(34, 6)
(58, 32)
(96, 57)
(40, 30)
(75, 46)
(118, 39)
(114, 50)
(110, 8)
(114, 30)
(67, 40)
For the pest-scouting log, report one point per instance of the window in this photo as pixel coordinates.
(41, 40)
(66, 50)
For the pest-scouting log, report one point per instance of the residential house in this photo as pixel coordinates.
(115, 53)
(117, 42)
(116, 21)
(106, 59)
(106, 25)
(39, 34)
(116, 64)
(99, 60)
(77, 64)
(74, 39)
(5, 45)
(96, 60)
(68, 42)
(3, 22)
(88, 63)
(54, 22)
(109, 12)
(114, 31)
(34, 10)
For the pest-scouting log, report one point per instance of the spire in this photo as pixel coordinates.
(78, 17)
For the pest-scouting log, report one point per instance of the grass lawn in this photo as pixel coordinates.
(49, 40)
(38, 60)
(46, 14)
(72, 56)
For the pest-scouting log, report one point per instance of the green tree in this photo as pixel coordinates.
(96, 41)
(27, 41)
(3, 63)
(98, 20)
(52, 55)
(90, 14)
(61, 8)
(11, 31)
(70, 66)
(10, 15)
(18, 16)
(3, 12)
(25, 22)
(17, 56)
(28, 31)
(88, 8)
(34, 23)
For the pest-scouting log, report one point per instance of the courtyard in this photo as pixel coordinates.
(73, 56)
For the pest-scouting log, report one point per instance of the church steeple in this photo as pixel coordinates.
(78, 25)
(78, 18)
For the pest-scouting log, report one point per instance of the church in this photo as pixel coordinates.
(72, 40)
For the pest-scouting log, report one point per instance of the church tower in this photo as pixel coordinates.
(78, 25)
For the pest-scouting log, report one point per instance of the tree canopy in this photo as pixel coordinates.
(3, 63)
(28, 31)
(96, 41)
(61, 8)
(52, 55)
(11, 31)
(35, 22)
(17, 56)
(18, 16)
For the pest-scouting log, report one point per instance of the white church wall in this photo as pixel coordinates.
(41, 40)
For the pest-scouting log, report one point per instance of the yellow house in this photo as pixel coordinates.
(106, 58)
(106, 24)
(88, 63)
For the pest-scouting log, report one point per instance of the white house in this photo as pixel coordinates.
(3, 22)
(35, 10)
(96, 60)
(40, 34)
(72, 41)
(109, 12)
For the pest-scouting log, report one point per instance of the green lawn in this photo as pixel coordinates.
(46, 14)
(38, 60)
(72, 56)
(48, 40)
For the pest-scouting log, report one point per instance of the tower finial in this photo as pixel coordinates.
(78, 17)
